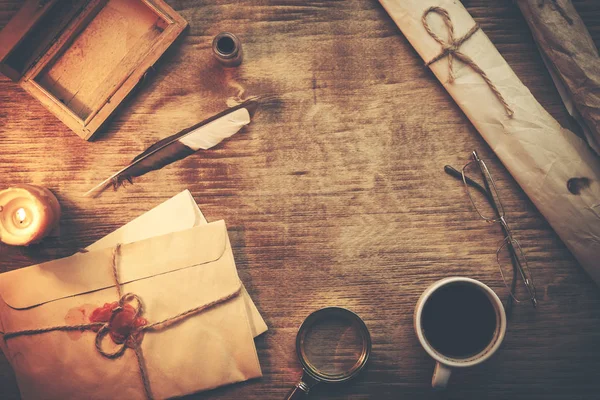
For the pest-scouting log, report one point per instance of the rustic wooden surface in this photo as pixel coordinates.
(335, 195)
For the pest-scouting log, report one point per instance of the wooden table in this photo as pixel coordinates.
(334, 195)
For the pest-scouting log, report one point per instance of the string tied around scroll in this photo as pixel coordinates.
(451, 49)
(134, 333)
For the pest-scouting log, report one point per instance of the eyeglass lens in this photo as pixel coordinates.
(483, 194)
(518, 280)
(487, 203)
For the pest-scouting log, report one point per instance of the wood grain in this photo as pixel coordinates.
(334, 195)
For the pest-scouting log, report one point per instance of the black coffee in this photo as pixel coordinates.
(459, 320)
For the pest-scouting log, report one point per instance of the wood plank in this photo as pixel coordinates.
(334, 195)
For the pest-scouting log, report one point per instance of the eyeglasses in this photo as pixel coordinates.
(486, 202)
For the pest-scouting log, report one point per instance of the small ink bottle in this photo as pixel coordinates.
(227, 49)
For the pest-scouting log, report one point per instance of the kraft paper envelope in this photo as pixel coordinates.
(178, 213)
(171, 274)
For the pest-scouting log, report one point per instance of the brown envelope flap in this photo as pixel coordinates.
(88, 272)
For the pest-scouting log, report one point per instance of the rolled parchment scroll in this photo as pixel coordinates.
(572, 60)
(542, 156)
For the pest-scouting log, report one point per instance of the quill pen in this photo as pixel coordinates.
(203, 135)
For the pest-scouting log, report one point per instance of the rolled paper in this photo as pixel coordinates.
(27, 214)
(572, 59)
(543, 157)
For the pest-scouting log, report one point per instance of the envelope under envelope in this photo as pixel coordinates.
(178, 213)
(171, 274)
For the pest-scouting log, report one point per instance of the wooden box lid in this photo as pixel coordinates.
(80, 58)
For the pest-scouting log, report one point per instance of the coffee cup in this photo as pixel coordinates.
(460, 322)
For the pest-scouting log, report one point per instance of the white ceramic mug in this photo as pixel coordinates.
(444, 364)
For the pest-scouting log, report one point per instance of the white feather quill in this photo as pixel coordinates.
(203, 135)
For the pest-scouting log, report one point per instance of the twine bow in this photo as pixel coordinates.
(133, 337)
(134, 332)
(451, 49)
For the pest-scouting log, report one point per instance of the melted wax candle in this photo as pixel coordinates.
(27, 214)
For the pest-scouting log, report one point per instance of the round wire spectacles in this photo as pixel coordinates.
(511, 259)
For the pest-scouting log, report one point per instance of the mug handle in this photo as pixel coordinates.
(441, 375)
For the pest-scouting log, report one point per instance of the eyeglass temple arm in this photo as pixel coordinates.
(450, 170)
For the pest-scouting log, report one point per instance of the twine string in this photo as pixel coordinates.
(65, 328)
(115, 273)
(139, 356)
(119, 351)
(133, 334)
(167, 322)
(451, 49)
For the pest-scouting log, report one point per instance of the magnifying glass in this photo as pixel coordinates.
(333, 345)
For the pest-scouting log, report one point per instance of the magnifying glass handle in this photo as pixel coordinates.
(300, 391)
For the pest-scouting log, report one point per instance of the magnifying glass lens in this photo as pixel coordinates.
(333, 346)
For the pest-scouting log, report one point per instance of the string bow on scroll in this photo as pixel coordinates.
(451, 49)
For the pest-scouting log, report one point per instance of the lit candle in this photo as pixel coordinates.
(27, 214)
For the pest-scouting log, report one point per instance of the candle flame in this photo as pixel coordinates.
(21, 215)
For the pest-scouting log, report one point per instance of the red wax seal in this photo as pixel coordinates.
(122, 324)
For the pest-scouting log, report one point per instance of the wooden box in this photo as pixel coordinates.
(81, 58)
